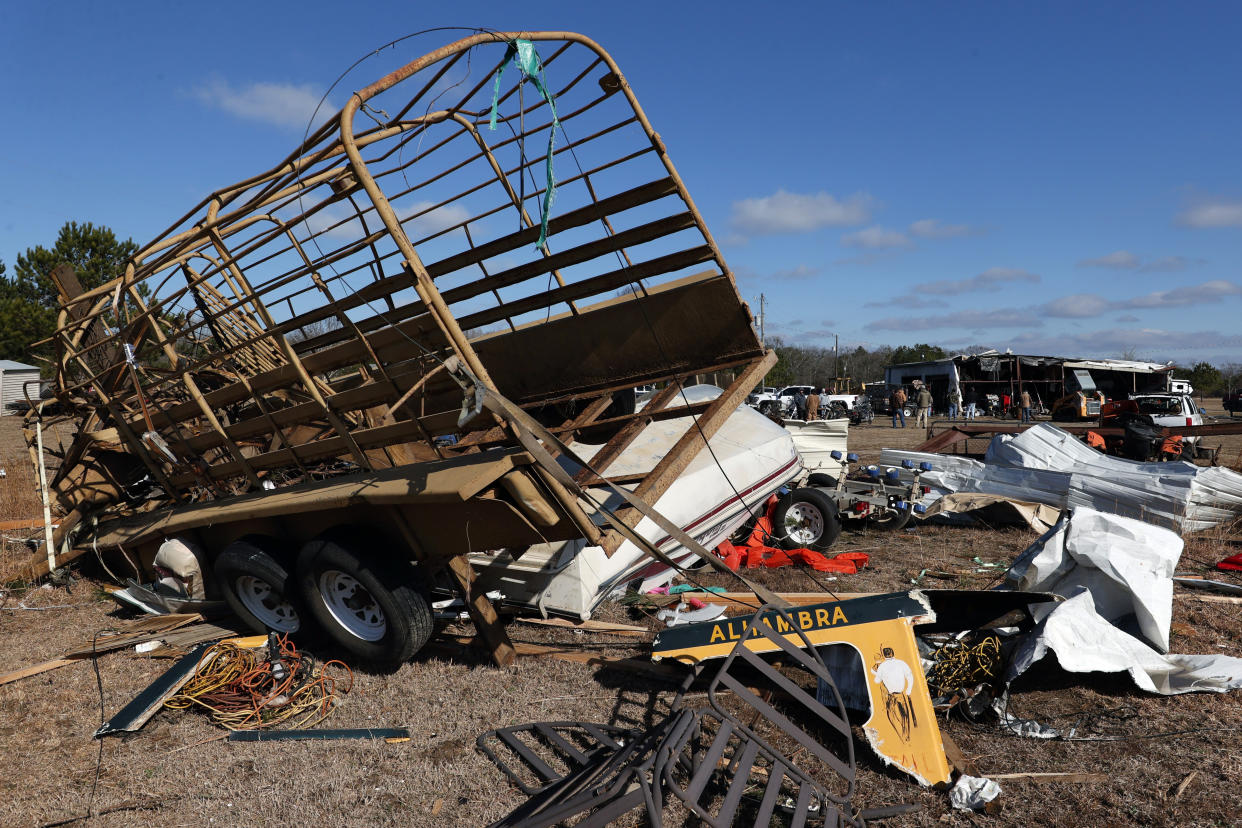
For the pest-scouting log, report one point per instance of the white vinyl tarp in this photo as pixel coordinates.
(1047, 465)
(1084, 642)
(1125, 564)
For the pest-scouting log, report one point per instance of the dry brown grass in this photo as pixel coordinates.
(47, 764)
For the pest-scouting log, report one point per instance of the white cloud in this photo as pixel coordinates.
(1078, 306)
(876, 238)
(1117, 260)
(432, 220)
(974, 319)
(1125, 260)
(1180, 297)
(990, 280)
(796, 273)
(911, 301)
(282, 104)
(785, 212)
(936, 229)
(1085, 305)
(1213, 213)
(1151, 343)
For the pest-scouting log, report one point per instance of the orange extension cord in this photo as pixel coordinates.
(243, 692)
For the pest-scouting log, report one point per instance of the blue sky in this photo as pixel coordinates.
(1051, 178)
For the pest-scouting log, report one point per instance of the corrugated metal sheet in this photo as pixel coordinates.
(11, 380)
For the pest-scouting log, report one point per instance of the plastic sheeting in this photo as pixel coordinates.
(1085, 642)
(1125, 564)
(1047, 465)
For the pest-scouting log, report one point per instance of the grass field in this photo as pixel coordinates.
(168, 774)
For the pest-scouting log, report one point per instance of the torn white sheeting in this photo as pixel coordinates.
(971, 793)
(1047, 465)
(1125, 564)
(1084, 642)
(995, 510)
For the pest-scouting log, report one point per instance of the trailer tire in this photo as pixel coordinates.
(822, 480)
(892, 520)
(375, 610)
(252, 574)
(807, 518)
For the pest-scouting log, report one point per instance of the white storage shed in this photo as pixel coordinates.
(12, 376)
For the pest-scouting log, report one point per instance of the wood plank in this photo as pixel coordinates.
(1054, 777)
(622, 440)
(36, 669)
(590, 625)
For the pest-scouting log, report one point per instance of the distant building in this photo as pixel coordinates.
(1048, 378)
(13, 375)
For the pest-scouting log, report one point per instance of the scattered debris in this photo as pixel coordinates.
(1047, 465)
(135, 714)
(972, 793)
(391, 735)
(1085, 642)
(686, 613)
(1127, 566)
(712, 759)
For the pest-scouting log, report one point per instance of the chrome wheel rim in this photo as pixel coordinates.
(804, 524)
(266, 604)
(352, 606)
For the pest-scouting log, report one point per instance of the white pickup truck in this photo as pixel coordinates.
(1170, 410)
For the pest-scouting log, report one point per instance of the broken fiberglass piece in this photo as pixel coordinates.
(902, 725)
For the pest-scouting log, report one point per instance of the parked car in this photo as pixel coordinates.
(780, 402)
(1170, 410)
(1233, 401)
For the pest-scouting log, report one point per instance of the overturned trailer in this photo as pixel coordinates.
(340, 378)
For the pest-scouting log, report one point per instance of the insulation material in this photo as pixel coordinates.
(1047, 465)
(1125, 564)
(1084, 642)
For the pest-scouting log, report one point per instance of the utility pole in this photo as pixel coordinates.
(762, 341)
(836, 365)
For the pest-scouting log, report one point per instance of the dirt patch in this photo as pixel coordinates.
(175, 774)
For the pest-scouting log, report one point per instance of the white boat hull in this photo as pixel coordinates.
(750, 458)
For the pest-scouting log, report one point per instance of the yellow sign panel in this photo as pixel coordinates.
(902, 726)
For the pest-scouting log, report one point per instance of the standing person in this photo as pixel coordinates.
(799, 404)
(972, 402)
(1025, 400)
(897, 402)
(812, 405)
(955, 401)
(925, 406)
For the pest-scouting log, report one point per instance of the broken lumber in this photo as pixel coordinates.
(1053, 777)
(524, 649)
(588, 626)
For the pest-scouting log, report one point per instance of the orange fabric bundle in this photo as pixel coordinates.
(755, 552)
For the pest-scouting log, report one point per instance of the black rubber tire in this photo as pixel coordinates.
(822, 510)
(261, 559)
(391, 591)
(824, 481)
(893, 519)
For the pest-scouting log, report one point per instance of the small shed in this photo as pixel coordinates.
(13, 375)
